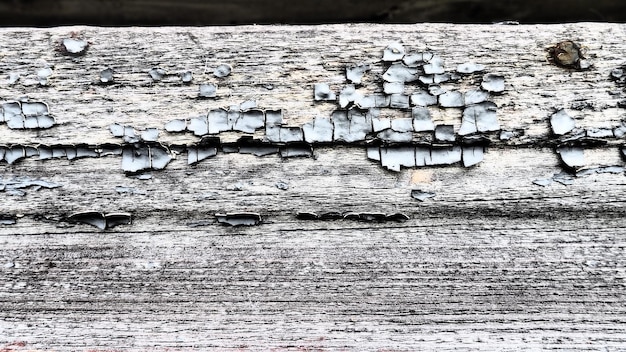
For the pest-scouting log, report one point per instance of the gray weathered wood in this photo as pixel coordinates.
(492, 261)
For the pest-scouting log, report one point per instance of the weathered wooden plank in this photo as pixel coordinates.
(492, 259)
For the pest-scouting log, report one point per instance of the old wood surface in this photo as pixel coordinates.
(492, 262)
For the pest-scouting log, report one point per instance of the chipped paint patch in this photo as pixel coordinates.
(222, 70)
(434, 66)
(493, 83)
(305, 215)
(26, 115)
(475, 96)
(106, 76)
(320, 130)
(479, 118)
(198, 125)
(472, 155)
(13, 153)
(198, 153)
(100, 220)
(614, 169)
(393, 158)
(572, 157)
(6, 219)
(451, 99)
(393, 52)
(207, 90)
(600, 133)
(439, 156)
(423, 98)
(402, 124)
(322, 91)
(43, 74)
(349, 96)
(444, 133)
(283, 186)
(350, 126)
(399, 101)
(398, 72)
(157, 74)
(422, 195)
(393, 87)
(150, 134)
(355, 72)
(186, 77)
(144, 157)
(74, 46)
(238, 219)
(250, 121)
(422, 120)
(19, 185)
(296, 151)
(470, 67)
(561, 122)
(13, 78)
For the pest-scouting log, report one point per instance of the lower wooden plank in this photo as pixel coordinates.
(483, 284)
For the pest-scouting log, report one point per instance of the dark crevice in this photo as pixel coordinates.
(201, 13)
(352, 216)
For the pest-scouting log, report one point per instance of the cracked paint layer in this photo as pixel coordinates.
(411, 83)
(355, 121)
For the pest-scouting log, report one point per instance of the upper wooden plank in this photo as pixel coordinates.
(278, 67)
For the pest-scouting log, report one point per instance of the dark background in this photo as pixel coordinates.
(212, 12)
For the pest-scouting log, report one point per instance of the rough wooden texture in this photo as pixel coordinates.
(492, 262)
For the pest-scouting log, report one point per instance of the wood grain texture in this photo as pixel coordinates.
(491, 262)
